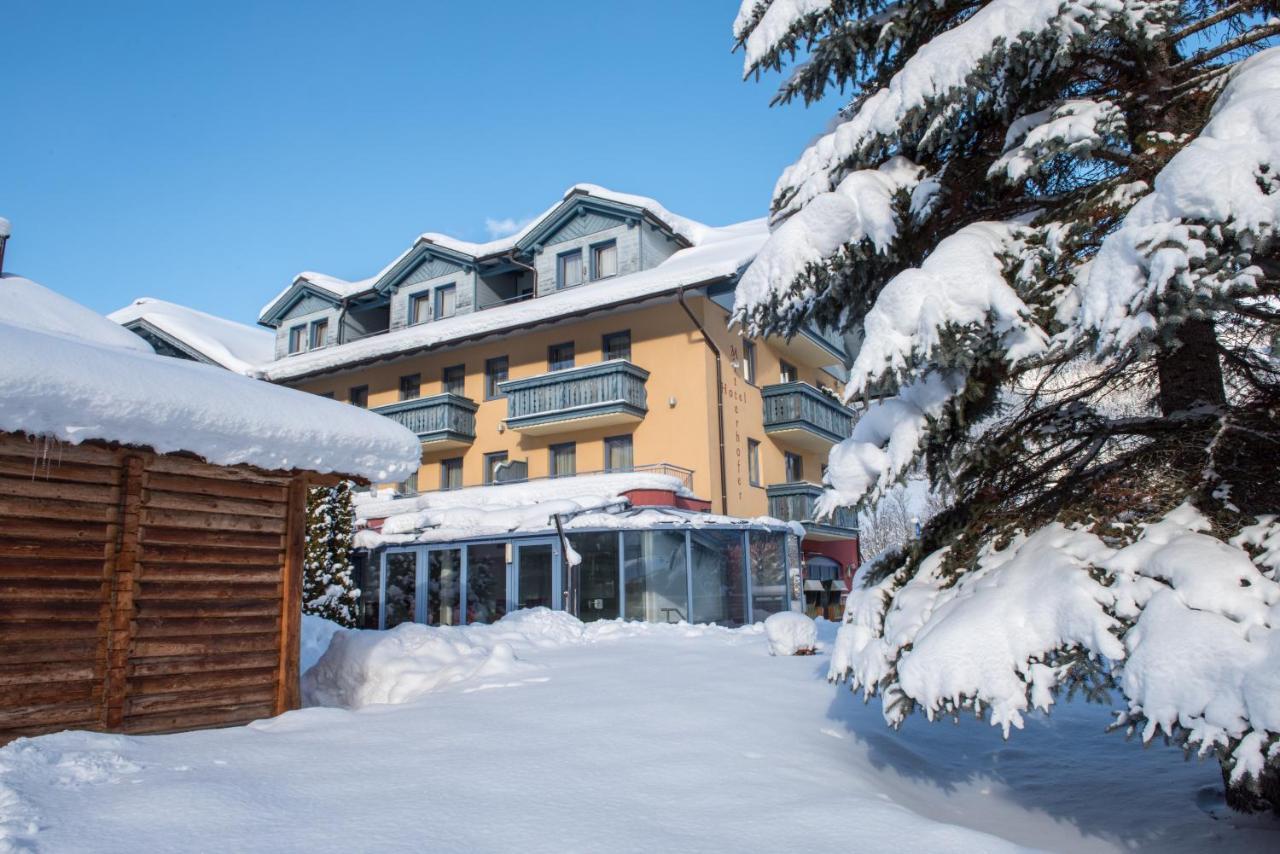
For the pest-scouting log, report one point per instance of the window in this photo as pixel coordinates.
(419, 308)
(753, 462)
(569, 269)
(617, 345)
(794, 467)
(408, 486)
(359, 396)
(749, 361)
(495, 371)
(446, 300)
(787, 372)
(656, 576)
(618, 454)
(560, 356)
(491, 465)
(604, 260)
(297, 335)
(410, 386)
(564, 459)
(486, 582)
(319, 334)
(451, 473)
(454, 379)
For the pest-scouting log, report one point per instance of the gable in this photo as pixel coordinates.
(429, 267)
(307, 304)
(587, 222)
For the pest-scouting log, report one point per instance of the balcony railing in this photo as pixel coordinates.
(793, 502)
(441, 419)
(811, 417)
(605, 393)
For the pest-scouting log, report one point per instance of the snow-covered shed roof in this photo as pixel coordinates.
(719, 254)
(687, 230)
(70, 373)
(235, 346)
(583, 502)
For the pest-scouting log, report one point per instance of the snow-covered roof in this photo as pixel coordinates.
(5, 228)
(583, 502)
(70, 373)
(692, 231)
(720, 254)
(235, 346)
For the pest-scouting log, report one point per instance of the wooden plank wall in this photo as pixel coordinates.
(143, 592)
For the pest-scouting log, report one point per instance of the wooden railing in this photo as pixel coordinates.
(793, 502)
(615, 385)
(800, 405)
(437, 416)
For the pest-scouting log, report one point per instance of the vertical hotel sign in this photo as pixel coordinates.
(734, 396)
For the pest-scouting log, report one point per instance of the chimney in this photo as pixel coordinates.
(5, 228)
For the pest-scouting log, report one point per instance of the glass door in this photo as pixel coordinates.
(399, 588)
(444, 587)
(537, 570)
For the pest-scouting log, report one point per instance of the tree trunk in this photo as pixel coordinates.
(1190, 371)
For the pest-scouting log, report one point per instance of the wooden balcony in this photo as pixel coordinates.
(799, 415)
(442, 421)
(793, 502)
(586, 397)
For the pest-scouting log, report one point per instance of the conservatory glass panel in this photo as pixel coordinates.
(444, 587)
(534, 586)
(656, 576)
(597, 575)
(768, 573)
(719, 582)
(486, 582)
(401, 588)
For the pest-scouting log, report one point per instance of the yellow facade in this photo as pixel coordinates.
(679, 428)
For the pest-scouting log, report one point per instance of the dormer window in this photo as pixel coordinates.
(446, 301)
(297, 337)
(569, 269)
(419, 308)
(319, 334)
(604, 260)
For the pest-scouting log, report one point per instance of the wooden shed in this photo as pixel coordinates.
(145, 587)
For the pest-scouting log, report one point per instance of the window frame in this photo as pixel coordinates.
(491, 390)
(322, 325)
(749, 361)
(573, 356)
(563, 257)
(787, 457)
(301, 332)
(595, 261)
(489, 459)
(437, 294)
(416, 302)
(363, 391)
(560, 447)
(787, 372)
(754, 476)
(629, 441)
(447, 465)
(604, 345)
(462, 379)
(417, 378)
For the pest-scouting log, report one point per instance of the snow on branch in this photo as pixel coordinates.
(1076, 127)
(1215, 203)
(768, 24)
(859, 210)
(978, 57)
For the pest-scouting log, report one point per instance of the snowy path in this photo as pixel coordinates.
(640, 739)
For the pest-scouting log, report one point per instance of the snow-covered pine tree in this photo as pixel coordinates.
(328, 588)
(1050, 228)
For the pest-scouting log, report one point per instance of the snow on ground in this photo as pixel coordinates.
(616, 737)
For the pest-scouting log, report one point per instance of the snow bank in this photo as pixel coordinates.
(317, 632)
(33, 306)
(720, 254)
(791, 633)
(1222, 184)
(235, 346)
(74, 389)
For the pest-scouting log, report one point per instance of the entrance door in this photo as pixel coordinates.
(537, 570)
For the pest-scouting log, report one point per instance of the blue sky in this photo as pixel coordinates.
(206, 152)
